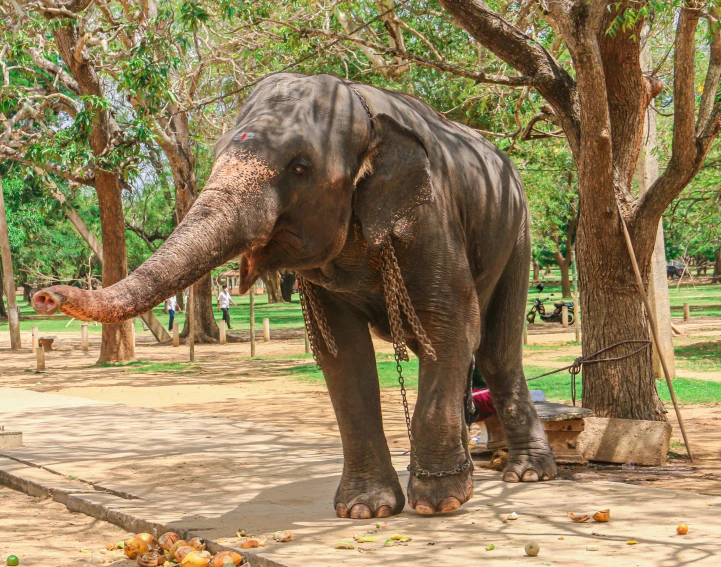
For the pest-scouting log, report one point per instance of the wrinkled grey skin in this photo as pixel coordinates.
(283, 193)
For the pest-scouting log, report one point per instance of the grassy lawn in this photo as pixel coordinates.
(148, 367)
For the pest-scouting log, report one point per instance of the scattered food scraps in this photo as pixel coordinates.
(344, 545)
(491, 547)
(561, 537)
(578, 519)
(253, 542)
(282, 536)
(227, 558)
(364, 539)
(682, 529)
(591, 548)
(631, 542)
(602, 516)
(513, 516)
(401, 538)
(381, 525)
(13, 560)
(532, 549)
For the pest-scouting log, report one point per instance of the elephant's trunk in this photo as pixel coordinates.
(230, 216)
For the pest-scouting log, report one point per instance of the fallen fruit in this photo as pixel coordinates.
(532, 548)
(150, 539)
(182, 551)
(151, 559)
(176, 546)
(682, 529)
(364, 539)
(13, 560)
(344, 545)
(381, 525)
(197, 543)
(196, 559)
(602, 516)
(491, 547)
(561, 537)
(167, 540)
(134, 547)
(227, 557)
(591, 548)
(631, 542)
(282, 536)
(513, 516)
(578, 519)
(401, 538)
(253, 542)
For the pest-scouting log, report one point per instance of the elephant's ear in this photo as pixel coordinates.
(399, 179)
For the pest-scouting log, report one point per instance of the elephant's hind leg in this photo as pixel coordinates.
(500, 361)
(369, 487)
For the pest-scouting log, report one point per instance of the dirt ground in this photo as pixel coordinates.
(226, 382)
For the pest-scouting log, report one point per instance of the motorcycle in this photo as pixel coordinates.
(552, 316)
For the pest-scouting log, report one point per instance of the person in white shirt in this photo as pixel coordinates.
(224, 301)
(171, 306)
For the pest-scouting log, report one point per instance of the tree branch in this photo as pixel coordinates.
(15, 155)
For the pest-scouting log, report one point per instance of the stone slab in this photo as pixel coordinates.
(213, 476)
(613, 440)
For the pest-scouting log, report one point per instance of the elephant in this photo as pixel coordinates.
(318, 174)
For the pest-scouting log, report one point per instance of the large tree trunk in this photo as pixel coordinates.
(3, 311)
(272, 287)
(717, 267)
(117, 338)
(536, 271)
(564, 264)
(8, 277)
(610, 299)
(205, 328)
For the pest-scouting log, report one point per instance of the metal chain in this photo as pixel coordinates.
(315, 321)
(396, 295)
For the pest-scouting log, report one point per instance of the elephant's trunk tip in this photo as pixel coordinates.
(47, 302)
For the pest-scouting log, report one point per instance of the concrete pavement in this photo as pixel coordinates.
(212, 476)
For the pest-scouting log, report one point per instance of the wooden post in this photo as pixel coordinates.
(252, 320)
(686, 311)
(564, 316)
(525, 331)
(84, 337)
(576, 304)
(176, 334)
(266, 330)
(223, 339)
(40, 359)
(190, 314)
(307, 342)
(8, 277)
(35, 339)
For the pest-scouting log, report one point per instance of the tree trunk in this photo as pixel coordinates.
(286, 286)
(536, 272)
(564, 263)
(3, 311)
(27, 292)
(8, 277)
(117, 338)
(272, 286)
(205, 329)
(548, 271)
(609, 296)
(717, 267)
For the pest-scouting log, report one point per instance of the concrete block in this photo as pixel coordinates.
(10, 439)
(613, 440)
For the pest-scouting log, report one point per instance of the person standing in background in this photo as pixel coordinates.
(171, 305)
(224, 301)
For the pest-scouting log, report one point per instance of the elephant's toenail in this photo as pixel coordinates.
(449, 504)
(424, 508)
(546, 477)
(530, 476)
(361, 512)
(384, 512)
(510, 476)
(341, 510)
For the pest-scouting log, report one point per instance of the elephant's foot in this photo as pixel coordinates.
(530, 463)
(439, 495)
(362, 499)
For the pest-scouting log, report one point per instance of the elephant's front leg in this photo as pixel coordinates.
(369, 486)
(440, 436)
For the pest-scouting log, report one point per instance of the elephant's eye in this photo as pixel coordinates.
(298, 169)
(299, 166)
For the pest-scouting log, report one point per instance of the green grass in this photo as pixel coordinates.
(148, 367)
(700, 356)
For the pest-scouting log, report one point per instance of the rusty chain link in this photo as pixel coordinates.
(315, 321)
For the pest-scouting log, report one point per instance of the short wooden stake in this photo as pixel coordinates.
(35, 339)
(84, 337)
(525, 332)
(176, 335)
(252, 320)
(40, 353)
(221, 328)
(686, 311)
(307, 342)
(266, 330)
(190, 314)
(564, 316)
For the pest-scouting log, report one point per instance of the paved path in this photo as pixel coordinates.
(142, 468)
